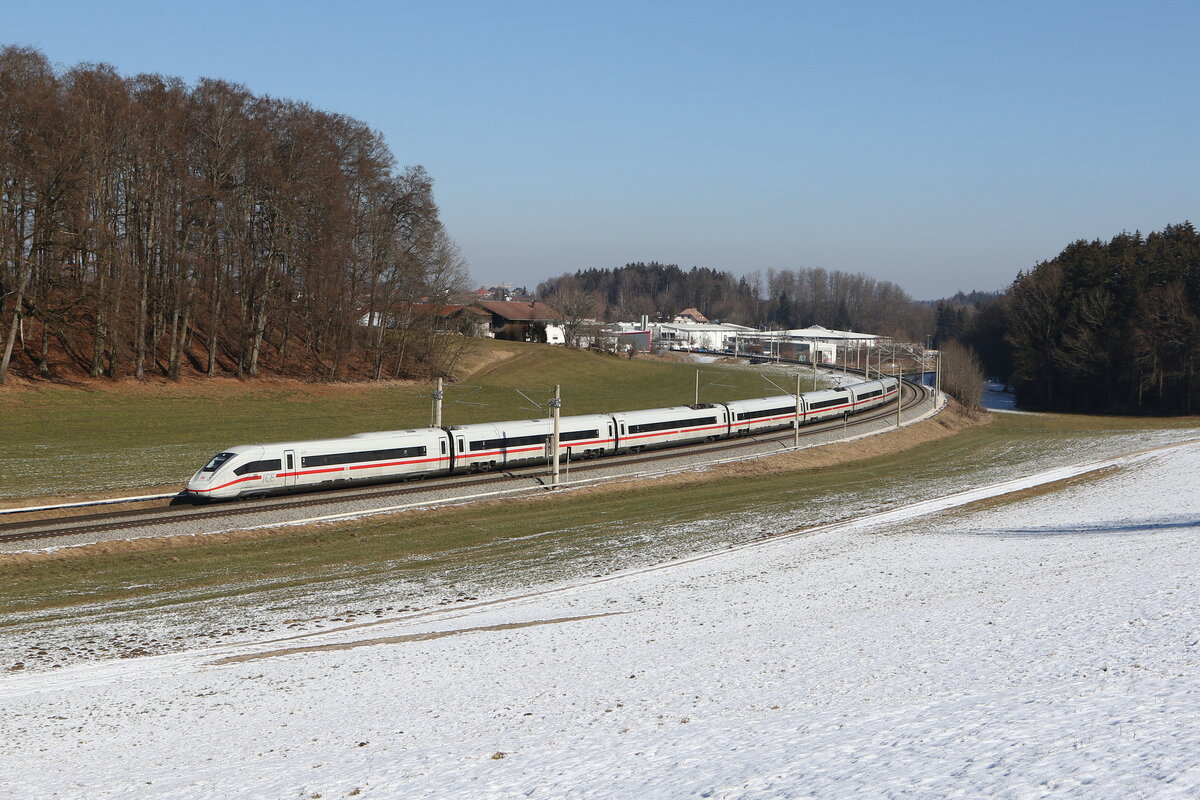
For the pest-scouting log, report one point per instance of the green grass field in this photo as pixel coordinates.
(59, 441)
(567, 534)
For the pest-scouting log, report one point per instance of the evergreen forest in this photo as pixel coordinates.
(1104, 327)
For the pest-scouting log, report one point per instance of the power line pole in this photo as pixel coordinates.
(555, 405)
(937, 376)
(438, 394)
(813, 355)
(697, 401)
(796, 437)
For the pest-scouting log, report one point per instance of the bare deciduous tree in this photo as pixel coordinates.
(151, 228)
(962, 374)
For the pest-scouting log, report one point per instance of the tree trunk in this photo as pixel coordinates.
(287, 335)
(44, 357)
(213, 325)
(140, 334)
(173, 347)
(97, 345)
(260, 327)
(11, 339)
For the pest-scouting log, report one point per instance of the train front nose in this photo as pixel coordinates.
(200, 484)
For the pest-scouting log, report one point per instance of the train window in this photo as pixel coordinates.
(647, 427)
(542, 438)
(487, 444)
(443, 443)
(217, 461)
(334, 459)
(517, 441)
(837, 401)
(869, 395)
(770, 412)
(289, 460)
(267, 465)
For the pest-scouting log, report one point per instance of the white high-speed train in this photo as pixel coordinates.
(262, 469)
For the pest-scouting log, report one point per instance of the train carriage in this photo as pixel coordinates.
(659, 427)
(495, 445)
(872, 393)
(827, 404)
(285, 466)
(762, 414)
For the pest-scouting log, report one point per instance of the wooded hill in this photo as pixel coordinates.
(781, 299)
(1103, 327)
(148, 227)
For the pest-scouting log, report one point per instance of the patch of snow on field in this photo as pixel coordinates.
(1043, 647)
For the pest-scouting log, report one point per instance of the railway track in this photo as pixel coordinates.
(227, 514)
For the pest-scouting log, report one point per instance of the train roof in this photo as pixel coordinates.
(672, 409)
(841, 390)
(354, 438)
(764, 401)
(574, 418)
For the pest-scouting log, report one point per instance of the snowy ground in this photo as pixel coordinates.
(1041, 648)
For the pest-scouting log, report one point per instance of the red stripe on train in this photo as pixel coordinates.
(231, 483)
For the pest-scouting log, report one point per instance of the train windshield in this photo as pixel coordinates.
(217, 461)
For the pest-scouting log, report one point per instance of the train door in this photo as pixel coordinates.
(459, 450)
(289, 467)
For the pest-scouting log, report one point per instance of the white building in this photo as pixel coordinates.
(686, 335)
(827, 343)
(683, 333)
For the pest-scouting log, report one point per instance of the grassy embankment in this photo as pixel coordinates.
(585, 527)
(104, 439)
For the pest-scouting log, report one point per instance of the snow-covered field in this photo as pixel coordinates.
(1046, 647)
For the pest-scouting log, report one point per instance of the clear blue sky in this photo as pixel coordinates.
(941, 146)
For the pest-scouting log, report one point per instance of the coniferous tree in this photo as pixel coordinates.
(1110, 327)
